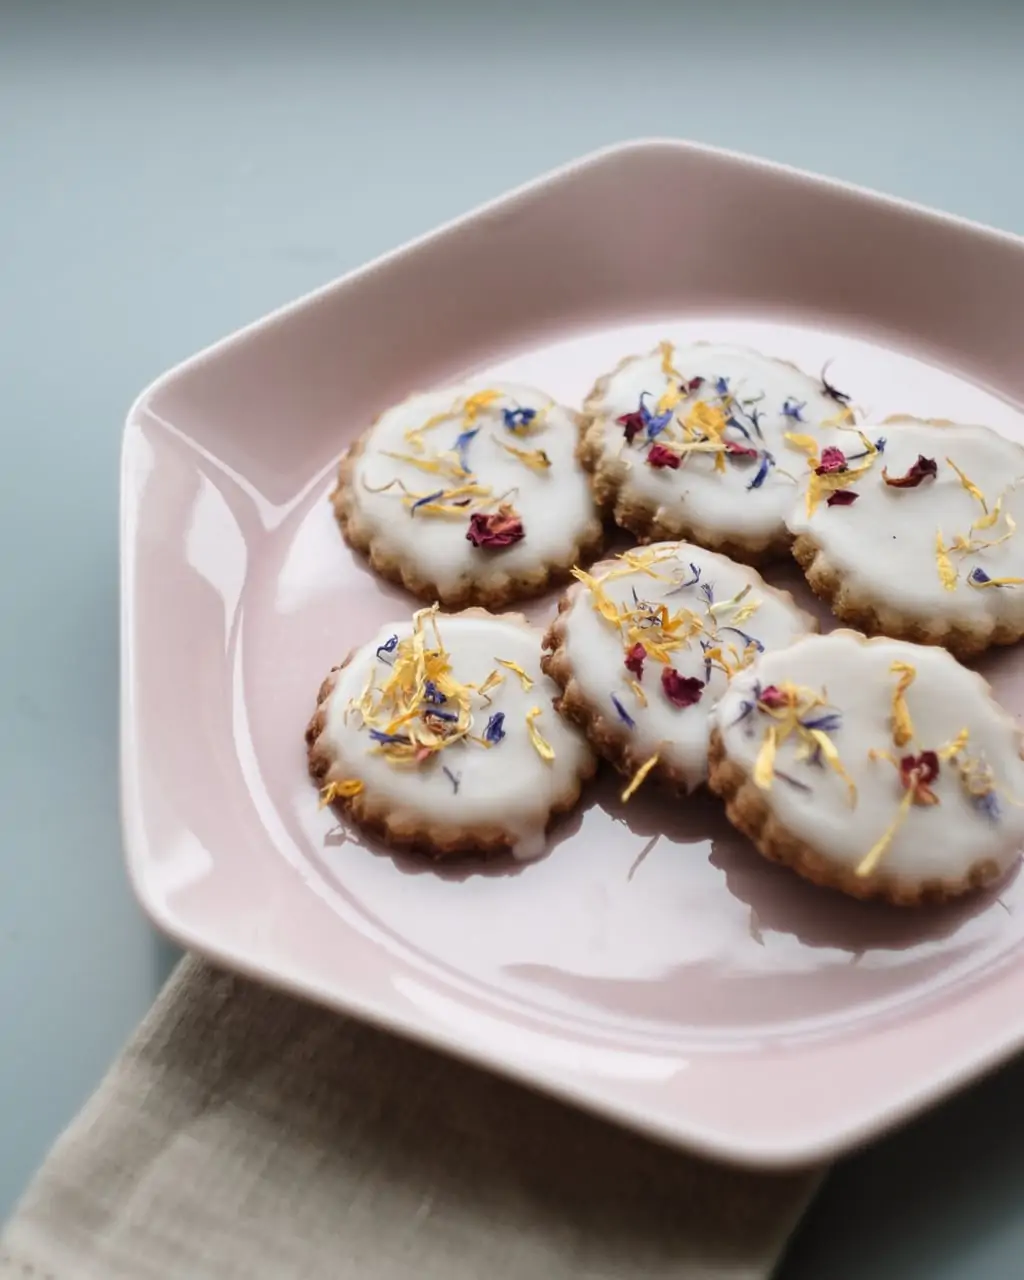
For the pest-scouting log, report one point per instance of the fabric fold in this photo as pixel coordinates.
(243, 1133)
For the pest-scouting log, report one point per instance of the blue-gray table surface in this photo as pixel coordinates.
(170, 172)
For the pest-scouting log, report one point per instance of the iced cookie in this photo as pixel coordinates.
(472, 494)
(644, 646)
(691, 442)
(926, 548)
(877, 767)
(440, 734)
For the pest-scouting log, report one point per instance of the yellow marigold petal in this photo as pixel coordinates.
(492, 682)
(669, 399)
(731, 603)
(599, 597)
(473, 405)
(535, 459)
(875, 854)
(450, 468)
(989, 521)
(828, 750)
(541, 745)
(806, 444)
(947, 574)
(638, 690)
(638, 777)
(956, 745)
(525, 680)
(343, 790)
(902, 725)
(970, 486)
(746, 612)
(708, 419)
(813, 493)
(764, 766)
(994, 582)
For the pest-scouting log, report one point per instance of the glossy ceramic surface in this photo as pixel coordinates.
(652, 967)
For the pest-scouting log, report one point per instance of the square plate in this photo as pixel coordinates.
(652, 968)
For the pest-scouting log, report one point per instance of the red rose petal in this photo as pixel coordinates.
(635, 660)
(659, 456)
(917, 773)
(495, 529)
(832, 460)
(772, 697)
(923, 469)
(632, 424)
(681, 691)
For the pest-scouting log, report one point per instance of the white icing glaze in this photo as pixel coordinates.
(595, 647)
(554, 505)
(885, 543)
(941, 841)
(508, 785)
(720, 502)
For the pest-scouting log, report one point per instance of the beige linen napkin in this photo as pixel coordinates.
(245, 1134)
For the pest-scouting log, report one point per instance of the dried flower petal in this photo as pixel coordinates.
(535, 459)
(389, 739)
(515, 418)
(659, 456)
(764, 765)
(639, 776)
(635, 660)
(923, 469)
(632, 424)
(917, 773)
(427, 498)
(540, 744)
(389, 646)
(979, 578)
(623, 714)
(461, 447)
(840, 397)
(681, 691)
(970, 486)
(431, 693)
(495, 730)
(841, 498)
(638, 692)
(736, 450)
(495, 529)
(832, 459)
(525, 680)
(343, 790)
(902, 725)
(947, 573)
(475, 404)
(773, 698)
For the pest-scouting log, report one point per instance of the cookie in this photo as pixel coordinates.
(644, 645)
(440, 735)
(925, 547)
(877, 767)
(470, 495)
(692, 443)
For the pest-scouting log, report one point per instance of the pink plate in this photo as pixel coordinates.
(652, 967)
